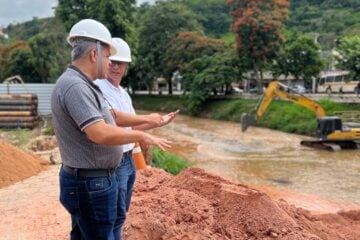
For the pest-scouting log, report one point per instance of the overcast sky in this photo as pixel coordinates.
(17, 11)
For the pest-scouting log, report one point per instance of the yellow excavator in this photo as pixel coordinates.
(332, 133)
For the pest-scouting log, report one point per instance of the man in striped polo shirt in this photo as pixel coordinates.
(89, 140)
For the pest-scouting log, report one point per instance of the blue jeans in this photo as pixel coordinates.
(92, 203)
(125, 175)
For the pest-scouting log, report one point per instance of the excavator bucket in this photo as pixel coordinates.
(247, 120)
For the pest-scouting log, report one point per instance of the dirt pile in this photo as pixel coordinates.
(198, 205)
(16, 165)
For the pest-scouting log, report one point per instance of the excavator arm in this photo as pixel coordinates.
(276, 89)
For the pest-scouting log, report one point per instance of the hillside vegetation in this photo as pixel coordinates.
(328, 20)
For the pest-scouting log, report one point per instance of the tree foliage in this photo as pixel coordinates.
(187, 46)
(158, 25)
(257, 26)
(51, 55)
(209, 74)
(116, 15)
(300, 57)
(15, 59)
(349, 50)
(213, 15)
(328, 19)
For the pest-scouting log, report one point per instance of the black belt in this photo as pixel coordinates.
(127, 154)
(81, 172)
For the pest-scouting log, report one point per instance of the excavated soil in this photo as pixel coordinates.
(198, 205)
(17, 165)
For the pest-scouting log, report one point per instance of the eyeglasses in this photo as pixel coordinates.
(114, 63)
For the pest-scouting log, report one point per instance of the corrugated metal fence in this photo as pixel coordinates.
(42, 90)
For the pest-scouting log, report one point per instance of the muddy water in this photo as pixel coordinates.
(271, 160)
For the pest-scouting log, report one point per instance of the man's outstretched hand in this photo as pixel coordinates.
(168, 118)
(162, 143)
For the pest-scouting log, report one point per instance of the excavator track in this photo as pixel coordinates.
(331, 145)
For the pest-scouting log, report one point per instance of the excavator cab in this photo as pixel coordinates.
(328, 125)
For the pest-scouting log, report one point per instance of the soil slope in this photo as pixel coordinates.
(198, 205)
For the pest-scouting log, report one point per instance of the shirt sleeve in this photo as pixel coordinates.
(83, 105)
(130, 102)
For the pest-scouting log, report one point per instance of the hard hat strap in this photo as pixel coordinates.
(99, 56)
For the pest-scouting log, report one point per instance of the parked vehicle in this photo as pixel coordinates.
(299, 89)
(236, 90)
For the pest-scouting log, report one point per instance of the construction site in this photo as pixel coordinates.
(196, 204)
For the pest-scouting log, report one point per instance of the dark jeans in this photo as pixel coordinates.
(125, 175)
(92, 203)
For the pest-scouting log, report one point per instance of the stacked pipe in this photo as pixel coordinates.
(18, 110)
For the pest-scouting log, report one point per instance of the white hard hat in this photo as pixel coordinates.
(123, 53)
(93, 29)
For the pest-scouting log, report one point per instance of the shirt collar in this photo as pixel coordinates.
(84, 77)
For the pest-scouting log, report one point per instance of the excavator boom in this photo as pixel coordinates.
(276, 89)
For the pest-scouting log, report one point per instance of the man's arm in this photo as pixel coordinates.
(166, 119)
(128, 120)
(102, 133)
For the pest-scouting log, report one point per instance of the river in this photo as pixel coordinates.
(269, 160)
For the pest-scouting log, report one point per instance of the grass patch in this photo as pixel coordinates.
(227, 109)
(160, 103)
(171, 163)
(20, 137)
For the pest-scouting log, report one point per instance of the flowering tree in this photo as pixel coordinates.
(258, 25)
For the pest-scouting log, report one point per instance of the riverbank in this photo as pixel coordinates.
(317, 180)
(281, 115)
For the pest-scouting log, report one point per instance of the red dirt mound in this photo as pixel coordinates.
(198, 205)
(16, 165)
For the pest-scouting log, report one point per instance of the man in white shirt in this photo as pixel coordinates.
(119, 99)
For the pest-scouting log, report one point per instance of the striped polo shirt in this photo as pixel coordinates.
(76, 103)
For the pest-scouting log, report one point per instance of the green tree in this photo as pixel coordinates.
(51, 54)
(257, 27)
(117, 15)
(300, 56)
(16, 59)
(208, 74)
(187, 46)
(349, 50)
(158, 25)
(213, 15)
(21, 63)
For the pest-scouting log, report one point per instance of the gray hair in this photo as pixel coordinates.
(81, 47)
